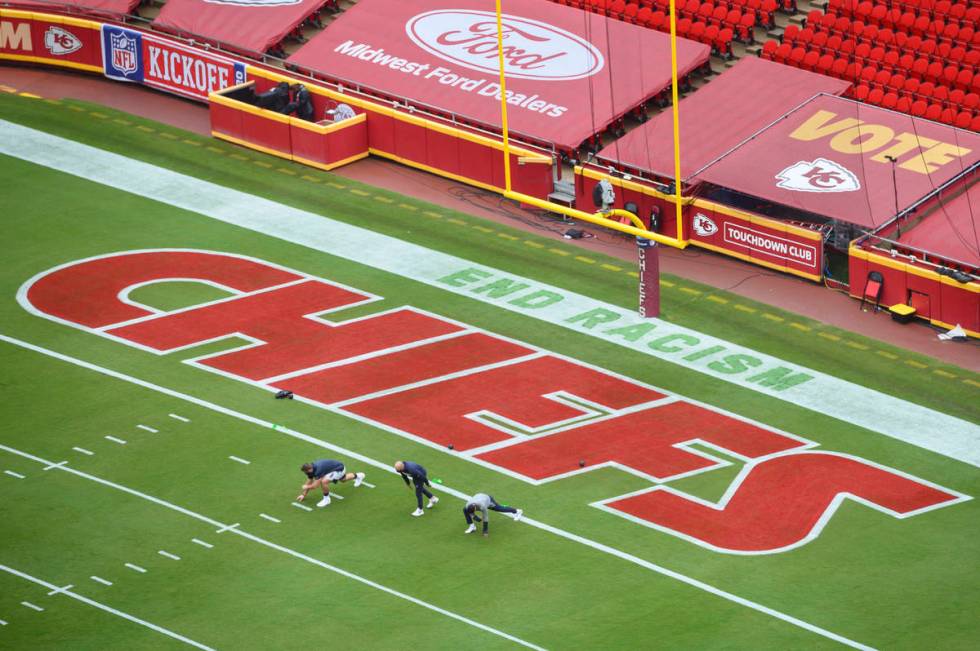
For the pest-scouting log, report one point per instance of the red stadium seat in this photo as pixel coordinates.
(877, 55)
(724, 42)
(949, 75)
(805, 36)
(882, 77)
(972, 58)
(941, 7)
(704, 12)
(972, 16)
(920, 67)
(904, 104)
(697, 31)
(919, 108)
(886, 37)
(878, 14)
(928, 47)
(889, 101)
(813, 18)
(734, 15)
(796, 56)
(819, 40)
(838, 68)
(891, 58)
(863, 10)
(971, 101)
(921, 25)
(842, 26)
(782, 52)
(975, 123)
(643, 16)
(950, 31)
(630, 12)
(933, 112)
(789, 34)
(862, 51)
(769, 50)
(956, 55)
(948, 116)
(684, 26)
(870, 34)
(861, 92)
(935, 71)
(769, 8)
(810, 60)
(867, 75)
(746, 28)
(659, 21)
(825, 63)
(847, 47)
(957, 11)
(940, 94)
(833, 44)
(827, 22)
(875, 96)
(853, 71)
(913, 44)
(966, 34)
(901, 38)
(906, 21)
(956, 97)
(963, 119)
(896, 83)
(718, 15)
(926, 89)
(912, 85)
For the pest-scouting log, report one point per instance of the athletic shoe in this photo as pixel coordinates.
(358, 478)
(418, 512)
(518, 515)
(432, 502)
(322, 503)
(470, 529)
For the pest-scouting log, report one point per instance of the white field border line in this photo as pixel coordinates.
(696, 583)
(14, 474)
(295, 554)
(83, 451)
(108, 609)
(148, 429)
(880, 412)
(240, 460)
(115, 440)
(99, 579)
(180, 418)
(746, 470)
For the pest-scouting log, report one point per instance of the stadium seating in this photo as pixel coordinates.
(914, 56)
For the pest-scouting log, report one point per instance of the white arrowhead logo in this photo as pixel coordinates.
(820, 175)
(60, 41)
(703, 225)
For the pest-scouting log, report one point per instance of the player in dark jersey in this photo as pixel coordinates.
(321, 473)
(421, 479)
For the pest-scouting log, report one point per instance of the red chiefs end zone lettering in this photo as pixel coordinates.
(502, 404)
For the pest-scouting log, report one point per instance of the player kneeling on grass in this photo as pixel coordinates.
(485, 503)
(421, 479)
(321, 473)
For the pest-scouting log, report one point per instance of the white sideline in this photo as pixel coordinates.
(236, 530)
(824, 394)
(108, 609)
(384, 466)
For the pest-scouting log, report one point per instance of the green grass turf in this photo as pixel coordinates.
(879, 580)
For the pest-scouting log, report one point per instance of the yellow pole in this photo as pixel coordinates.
(503, 97)
(677, 126)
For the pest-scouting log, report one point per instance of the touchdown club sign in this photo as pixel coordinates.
(129, 55)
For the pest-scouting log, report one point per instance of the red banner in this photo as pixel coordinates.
(57, 40)
(187, 71)
(765, 241)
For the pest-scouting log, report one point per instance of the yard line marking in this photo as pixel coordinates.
(115, 440)
(60, 590)
(99, 579)
(169, 555)
(683, 578)
(225, 527)
(270, 545)
(368, 484)
(108, 609)
(2, 623)
(270, 518)
(55, 465)
(300, 506)
(180, 418)
(240, 460)
(14, 474)
(136, 567)
(148, 429)
(32, 606)
(83, 451)
(336, 497)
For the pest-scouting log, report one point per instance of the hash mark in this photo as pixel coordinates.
(270, 518)
(32, 606)
(169, 555)
(180, 418)
(14, 474)
(83, 451)
(115, 440)
(202, 543)
(239, 460)
(99, 579)
(136, 567)
(300, 506)
(148, 429)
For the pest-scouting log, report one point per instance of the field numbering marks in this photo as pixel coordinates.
(180, 418)
(202, 543)
(269, 518)
(136, 568)
(99, 579)
(169, 555)
(148, 429)
(116, 440)
(83, 451)
(239, 460)
(17, 475)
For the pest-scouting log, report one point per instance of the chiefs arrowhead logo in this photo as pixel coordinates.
(820, 175)
(60, 41)
(703, 225)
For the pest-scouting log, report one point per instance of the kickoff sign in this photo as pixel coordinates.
(128, 55)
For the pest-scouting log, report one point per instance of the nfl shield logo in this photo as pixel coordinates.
(123, 53)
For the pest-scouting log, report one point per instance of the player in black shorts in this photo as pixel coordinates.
(321, 473)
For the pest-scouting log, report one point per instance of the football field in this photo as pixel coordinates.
(731, 476)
